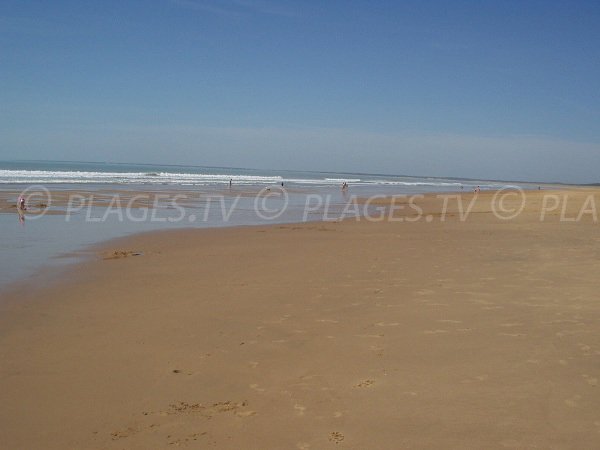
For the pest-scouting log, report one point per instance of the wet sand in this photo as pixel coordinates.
(58, 201)
(426, 334)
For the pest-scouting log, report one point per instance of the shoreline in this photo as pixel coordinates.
(452, 334)
(90, 252)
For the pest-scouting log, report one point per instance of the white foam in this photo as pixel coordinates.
(81, 177)
(198, 179)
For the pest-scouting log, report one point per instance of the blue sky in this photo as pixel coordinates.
(503, 89)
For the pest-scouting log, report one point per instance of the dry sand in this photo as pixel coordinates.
(480, 334)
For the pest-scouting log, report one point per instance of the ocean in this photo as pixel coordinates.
(72, 172)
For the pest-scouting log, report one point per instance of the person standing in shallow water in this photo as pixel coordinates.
(21, 209)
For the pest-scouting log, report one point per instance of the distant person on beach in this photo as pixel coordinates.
(344, 186)
(21, 209)
(230, 182)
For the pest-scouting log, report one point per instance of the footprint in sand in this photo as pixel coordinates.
(512, 443)
(336, 437)
(394, 305)
(300, 409)
(256, 388)
(120, 434)
(185, 440)
(365, 383)
(481, 301)
(572, 402)
(571, 332)
(277, 321)
(377, 349)
(584, 347)
(475, 379)
(425, 292)
(560, 321)
(590, 380)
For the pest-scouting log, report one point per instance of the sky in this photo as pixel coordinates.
(499, 90)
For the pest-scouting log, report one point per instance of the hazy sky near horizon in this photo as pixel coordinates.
(482, 89)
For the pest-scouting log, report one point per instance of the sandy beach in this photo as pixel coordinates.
(418, 333)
